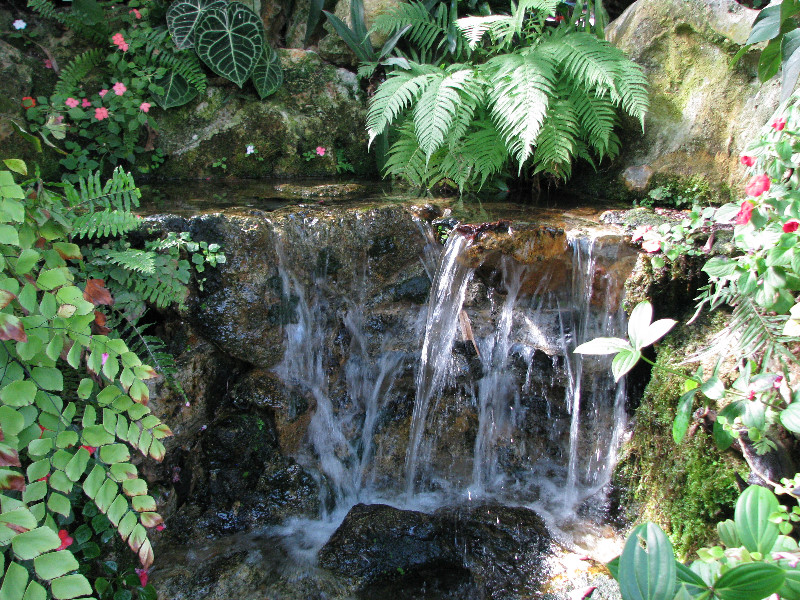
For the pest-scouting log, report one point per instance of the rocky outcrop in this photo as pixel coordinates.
(492, 549)
(703, 113)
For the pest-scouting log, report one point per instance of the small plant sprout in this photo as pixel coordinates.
(642, 333)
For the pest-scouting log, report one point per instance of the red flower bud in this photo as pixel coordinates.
(28, 102)
(778, 124)
(747, 161)
(791, 226)
(745, 212)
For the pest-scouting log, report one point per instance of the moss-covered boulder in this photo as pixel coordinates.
(702, 113)
(311, 125)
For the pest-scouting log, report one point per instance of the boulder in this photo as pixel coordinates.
(318, 105)
(703, 113)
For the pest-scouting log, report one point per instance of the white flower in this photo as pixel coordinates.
(20, 24)
(250, 150)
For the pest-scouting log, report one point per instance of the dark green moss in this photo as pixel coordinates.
(686, 488)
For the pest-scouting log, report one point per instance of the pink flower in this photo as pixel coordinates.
(142, 573)
(85, 103)
(119, 40)
(65, 538)
(105, 357)
(119, 88)
(101, 113)
(145, 107)
(102, 93)
(791, 226)
(135, 13)
(48, 64)
(320, 151)
(71, 102)
(640, 232)
(757, 185)
(778, 124)
(747, 161)
(59, 119)
(744, 214)
(160, 527)
(651, 245)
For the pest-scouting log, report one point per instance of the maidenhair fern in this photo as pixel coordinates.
(533, 95)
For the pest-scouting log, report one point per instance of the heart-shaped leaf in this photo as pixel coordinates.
(177, 91)
(268, 74)
(182, 19)
(230, 41)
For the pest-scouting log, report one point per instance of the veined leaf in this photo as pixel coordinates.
(177, 90)
(230, 40)
(751, 517)
(603, 345)
(749, 580)
(182, 19)
(647, 565)
(267, 74)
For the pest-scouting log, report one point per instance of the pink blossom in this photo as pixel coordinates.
(101, 113)
(105, 357)
(145, 107)
(59, 119)
(102, 93)
(640, 231)
(778, 124)
(71, 102)
(745, 213)
(320, 151)
(651, 245)
(119, 40)
(135, 13)
(160, 527)
(791, 226)
(142, 573)
(747, 161)
(48, 64)
(66, 539)
(757, 185)
(119, 88)
(85, 103)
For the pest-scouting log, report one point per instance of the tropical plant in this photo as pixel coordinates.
(229, 39)
(73, 391)
(756, 558)
(533, 92)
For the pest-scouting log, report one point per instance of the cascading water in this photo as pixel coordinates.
(506, 412)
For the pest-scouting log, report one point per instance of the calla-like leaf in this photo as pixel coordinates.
(603, 345)
(748, 581)
(268, 74)
(182, 19)
(751, 517)
(177, 91)
(623, 362)
(655, 332)
(647, 565)
(230, 41)
(639, 322)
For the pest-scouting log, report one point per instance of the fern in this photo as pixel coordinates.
(97, 33)
(428, 32)
(119, 192)
(139, 261)
(104, 223)
(585, 59)
(399, 90)
(597, 118)
(407, 160)
(475, 158)
(76, 71)
(557, 141)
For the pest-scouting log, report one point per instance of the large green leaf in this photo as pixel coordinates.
(767, 25)
(55, 564)
(268, 74)
(182, 19)
(790, 52)
(749, 581)
(647, 565)
(230, 41)
(751, 517)
(177, 91)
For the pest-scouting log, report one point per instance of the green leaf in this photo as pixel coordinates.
(182, 18)
(77, 464)
(726, 530)
(16, 165)
(790, 417)
(37, 541)
(790, 67)
(114, 453)
(177, 90)
(267, 75)
(14, 582)
(35, 591)
(770, 60)
(751, 517)
(70, 586)
(766, 26)
(603, 345)
(713, 388)
(51, 278)
(638, 323)
(19, 393)
(59, 503)
(647, 565)
(623, 362)
(26, 261)
(230, 40)
(55, 564)
(683, 414)
(48, 378)
(693, 583)
(748, 581)
(9, 235)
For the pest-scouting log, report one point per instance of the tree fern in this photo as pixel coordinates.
(76, 71)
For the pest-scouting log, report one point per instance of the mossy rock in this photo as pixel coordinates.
(686, 488)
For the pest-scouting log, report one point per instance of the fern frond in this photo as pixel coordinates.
(104, 223)
(436, 109)
(399, 90)
(76, 71)
(141, 261)
(98, 33)
(474, 28)
(597, 117)
(427, 32)
(557, 140)
(585, 59)
(119, 192)
(630, 87)
(407, 160)
(523, 84)
(475, 158)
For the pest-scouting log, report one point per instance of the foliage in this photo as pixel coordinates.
(755, 559)
(777, 25)
(229, 39)
(532, 94)
(73, 392)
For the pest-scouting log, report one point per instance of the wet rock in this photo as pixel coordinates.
(637, 178)
(328, 190)
(500, 547)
